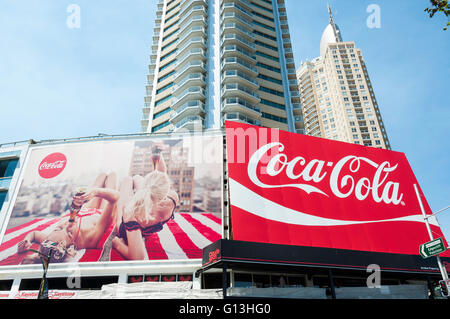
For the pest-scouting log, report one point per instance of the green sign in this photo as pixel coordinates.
(432, 248)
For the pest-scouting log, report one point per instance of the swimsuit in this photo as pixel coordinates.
(146, 231)
(89, 212)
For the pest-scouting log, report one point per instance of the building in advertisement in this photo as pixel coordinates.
(217, 60)
(337, 95)
(175, 157)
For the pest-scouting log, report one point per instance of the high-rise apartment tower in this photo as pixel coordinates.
(337, 95)
(217, 60)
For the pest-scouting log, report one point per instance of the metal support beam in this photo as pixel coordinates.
(330, 277)
(224, 280)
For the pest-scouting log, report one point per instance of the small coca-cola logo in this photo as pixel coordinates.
(52, 165)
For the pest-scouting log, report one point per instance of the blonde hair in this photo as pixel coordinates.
(156, 187)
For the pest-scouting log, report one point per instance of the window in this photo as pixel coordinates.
(8, 167)
(274, 117)
(2, 198)
(161, 113)
(164, 99)
(273, 104)
(160, 126)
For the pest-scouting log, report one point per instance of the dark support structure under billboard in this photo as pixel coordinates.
(239, 255)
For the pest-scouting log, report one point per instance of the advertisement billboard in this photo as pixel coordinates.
(116, 200)
(293, 189)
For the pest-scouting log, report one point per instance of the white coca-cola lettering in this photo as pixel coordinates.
(314, 171)
(305, 174)
(54, 165)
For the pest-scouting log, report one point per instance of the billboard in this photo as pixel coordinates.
(103, 201)
(292, 189)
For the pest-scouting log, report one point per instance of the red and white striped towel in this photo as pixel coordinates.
(184, 237)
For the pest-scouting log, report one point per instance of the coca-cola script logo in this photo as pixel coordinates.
(342, 185)
(52, 165)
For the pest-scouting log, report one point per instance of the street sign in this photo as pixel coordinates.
(432, 248)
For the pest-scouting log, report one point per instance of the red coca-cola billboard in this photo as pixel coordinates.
(293, 189)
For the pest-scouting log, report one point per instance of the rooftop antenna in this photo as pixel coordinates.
(337, 32)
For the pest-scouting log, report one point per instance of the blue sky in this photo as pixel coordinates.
(57, 82)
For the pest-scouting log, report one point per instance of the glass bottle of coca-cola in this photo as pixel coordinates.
(156, 155)
(75, 208)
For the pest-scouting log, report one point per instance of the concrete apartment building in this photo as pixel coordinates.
(217, 60)
(337, 95)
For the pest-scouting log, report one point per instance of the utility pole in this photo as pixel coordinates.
(425, 217)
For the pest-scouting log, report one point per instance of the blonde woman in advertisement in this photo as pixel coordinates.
(85, 231)
(145, 205)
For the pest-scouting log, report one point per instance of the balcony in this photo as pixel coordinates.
(237, 117)
(192, 93)
(228, 7)
(197, 20)
(193, 32)
(237, 51)
(191, 108)
(232, 16)
(244, 31)
(229, 39)
(193, 43)
(193, 54)
(191, 67)
(198, 10)
(240, 105)
(235, 76)
(237, 63)
(193, 79)
(190, 123)
(240, 91)
(187, 5)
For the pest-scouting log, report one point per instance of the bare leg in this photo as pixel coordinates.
(94, 234)
(135, 250)
(106, 218)
(161, 165)
(98, 183)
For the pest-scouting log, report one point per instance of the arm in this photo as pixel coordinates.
(161, 164)
(111, 195)
(34, 236)
(135, 250)
(136, 246)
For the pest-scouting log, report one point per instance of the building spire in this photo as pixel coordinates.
(330, 13)
(337, 32)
